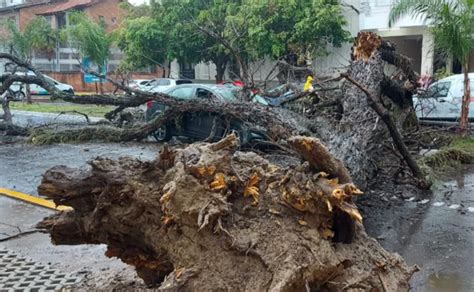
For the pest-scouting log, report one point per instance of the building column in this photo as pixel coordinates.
(427, 53)
(174, 69)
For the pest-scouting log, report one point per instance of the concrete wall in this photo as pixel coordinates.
(374, 15)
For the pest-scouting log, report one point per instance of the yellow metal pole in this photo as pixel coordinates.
(33, 200)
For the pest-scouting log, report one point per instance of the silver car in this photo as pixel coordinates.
(442, 101)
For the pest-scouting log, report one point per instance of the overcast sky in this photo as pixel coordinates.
(137, 1)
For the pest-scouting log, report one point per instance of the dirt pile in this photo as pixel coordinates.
(208, 217)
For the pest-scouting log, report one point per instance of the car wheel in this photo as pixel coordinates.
(162, 134)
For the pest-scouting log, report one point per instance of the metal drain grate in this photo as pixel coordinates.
(20, 274)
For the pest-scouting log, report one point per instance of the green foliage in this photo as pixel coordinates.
(221, 30)
(89, 37)
(277, 28)
(144, 41)
(37, 35)
(442, 73)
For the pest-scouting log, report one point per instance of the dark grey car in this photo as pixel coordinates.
(198, 126)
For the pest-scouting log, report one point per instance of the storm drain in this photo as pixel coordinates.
(21, 274)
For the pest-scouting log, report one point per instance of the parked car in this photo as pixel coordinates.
(442, 100)
(38, 90)
(162, 84)
(198, 126)
(138, 83)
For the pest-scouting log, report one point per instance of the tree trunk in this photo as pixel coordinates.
(210, 218)
(7, 114)
(464, 121)
(221, 65)
(28, 94)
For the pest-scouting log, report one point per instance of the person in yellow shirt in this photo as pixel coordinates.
(308, 86)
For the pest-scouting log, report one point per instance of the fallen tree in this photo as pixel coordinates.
(355, 136)
(210, 218)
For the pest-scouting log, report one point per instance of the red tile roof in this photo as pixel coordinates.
(67, 5)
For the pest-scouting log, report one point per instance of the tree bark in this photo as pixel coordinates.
(464, 121)
(28, 94)
(7, 114)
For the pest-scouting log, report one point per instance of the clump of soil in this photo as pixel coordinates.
(208, 218)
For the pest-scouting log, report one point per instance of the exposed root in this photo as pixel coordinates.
(209, 218)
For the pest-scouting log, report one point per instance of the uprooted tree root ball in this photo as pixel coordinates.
(211, 218)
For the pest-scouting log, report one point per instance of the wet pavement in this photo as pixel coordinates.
(433, 230)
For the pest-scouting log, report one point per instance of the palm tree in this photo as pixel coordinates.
(452, 25)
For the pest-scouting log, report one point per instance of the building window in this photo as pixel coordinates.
(61, 20)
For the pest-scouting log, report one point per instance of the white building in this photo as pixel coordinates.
(411, 35)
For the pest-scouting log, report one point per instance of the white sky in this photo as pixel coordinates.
(136, 2)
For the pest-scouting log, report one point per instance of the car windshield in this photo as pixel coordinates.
(228, 93)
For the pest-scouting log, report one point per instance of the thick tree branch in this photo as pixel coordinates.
(394, 133)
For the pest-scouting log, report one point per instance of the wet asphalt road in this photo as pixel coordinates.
(434, 230)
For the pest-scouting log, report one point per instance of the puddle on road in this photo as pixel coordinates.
(439, 282)
(441, 238)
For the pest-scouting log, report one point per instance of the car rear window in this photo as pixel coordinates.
(179, 82)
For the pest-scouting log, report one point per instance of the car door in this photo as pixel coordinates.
(452, 105)
(434, 103)
(199, 125)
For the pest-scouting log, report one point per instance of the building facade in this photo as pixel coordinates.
(411, 35)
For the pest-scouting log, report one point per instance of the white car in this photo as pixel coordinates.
(442, 101)
(163, 84)
(138, 83)
(38, 90)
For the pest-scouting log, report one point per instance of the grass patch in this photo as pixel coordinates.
(459, 151)
(90, 110)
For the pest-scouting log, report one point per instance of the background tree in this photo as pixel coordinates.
(243, 31)
(91, 39)
(452, 25)
(37, 36)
